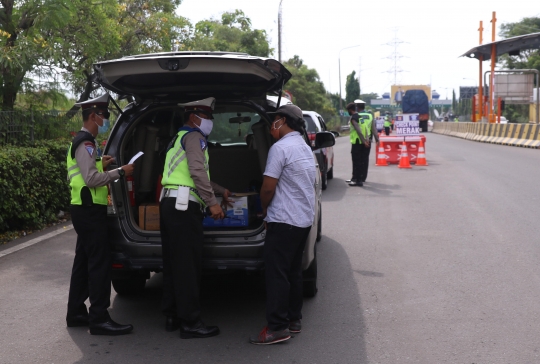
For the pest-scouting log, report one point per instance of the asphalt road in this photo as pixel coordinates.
(435, 264)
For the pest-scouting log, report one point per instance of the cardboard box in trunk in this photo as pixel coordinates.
(149, 216)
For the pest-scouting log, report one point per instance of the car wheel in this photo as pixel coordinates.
(132, 285)
(319, 226)
(310, 278)
(324, 179)
(330, 173)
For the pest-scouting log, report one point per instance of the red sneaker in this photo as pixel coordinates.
(267, 337)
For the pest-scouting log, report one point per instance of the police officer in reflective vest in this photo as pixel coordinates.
(361, 132)
(187, 191)
(387, 123)
(88, 179)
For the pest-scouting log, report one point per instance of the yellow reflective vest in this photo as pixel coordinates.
(176, 170)
(76, 180)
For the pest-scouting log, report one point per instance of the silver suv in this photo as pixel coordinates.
(238, 147)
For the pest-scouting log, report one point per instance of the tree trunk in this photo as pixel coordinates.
(12, 85)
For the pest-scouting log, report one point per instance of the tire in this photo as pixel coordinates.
(319, 226)
(310, 279)
(129, 286)
(330, 173)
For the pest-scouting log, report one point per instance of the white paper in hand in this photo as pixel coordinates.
(135, 157)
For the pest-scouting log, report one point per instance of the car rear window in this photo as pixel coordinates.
(310, 124)
(226, 132)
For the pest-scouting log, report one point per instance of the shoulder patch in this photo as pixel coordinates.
(89, 148)
(203, 144)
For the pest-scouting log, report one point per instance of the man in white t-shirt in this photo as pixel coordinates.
(288, 202)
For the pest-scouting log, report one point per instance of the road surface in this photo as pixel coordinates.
(435, 264)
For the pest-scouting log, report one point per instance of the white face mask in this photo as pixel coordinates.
(206, 125)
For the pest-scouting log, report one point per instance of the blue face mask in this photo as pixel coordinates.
(105, 127)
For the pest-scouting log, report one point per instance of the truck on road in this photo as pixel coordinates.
(417, 102)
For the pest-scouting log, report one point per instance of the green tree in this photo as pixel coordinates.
(527, 59)
(352, 88)
(25, 27)
(47, 37)
(334, 100)
(130, 27)
(233, 33)
(307, 89)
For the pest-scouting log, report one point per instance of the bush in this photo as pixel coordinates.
(33, 184)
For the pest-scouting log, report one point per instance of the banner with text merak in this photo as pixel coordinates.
(407, 125)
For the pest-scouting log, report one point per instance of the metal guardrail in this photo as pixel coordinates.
(21, 127)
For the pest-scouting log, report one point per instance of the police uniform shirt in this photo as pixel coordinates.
(85, 155)
(195, 144)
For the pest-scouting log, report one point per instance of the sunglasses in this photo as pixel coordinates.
(105, 114)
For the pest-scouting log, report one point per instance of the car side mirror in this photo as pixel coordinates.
(324, 139)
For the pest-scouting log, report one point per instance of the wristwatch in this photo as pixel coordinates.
(121, 172)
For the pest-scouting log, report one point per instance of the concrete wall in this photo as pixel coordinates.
(517, 135)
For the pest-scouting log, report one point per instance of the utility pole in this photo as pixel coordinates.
(279, 22)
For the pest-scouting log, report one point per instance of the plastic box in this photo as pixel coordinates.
(236, 216)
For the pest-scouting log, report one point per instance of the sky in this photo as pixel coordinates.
(393, 42)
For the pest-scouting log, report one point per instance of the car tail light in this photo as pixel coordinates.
(118, 266)
(311, 137)
(131, 189)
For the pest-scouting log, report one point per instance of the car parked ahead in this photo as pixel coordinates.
(325, 156)
(238, 148)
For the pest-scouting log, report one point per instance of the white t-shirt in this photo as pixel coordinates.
(291, 161)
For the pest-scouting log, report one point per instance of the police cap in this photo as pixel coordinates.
(205, 106)
(101, 102)
(358, 101)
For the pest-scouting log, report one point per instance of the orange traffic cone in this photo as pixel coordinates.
(421, 161)
(404, 161)
(381, 156)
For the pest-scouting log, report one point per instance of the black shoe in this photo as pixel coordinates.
(354, 183)
(77, 321)
(295, 327)
(172, 324)
(110, 328)
(350, 180)
(197, 330)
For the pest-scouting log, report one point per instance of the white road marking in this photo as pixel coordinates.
(35, 241)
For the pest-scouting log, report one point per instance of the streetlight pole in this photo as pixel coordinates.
(339, 65)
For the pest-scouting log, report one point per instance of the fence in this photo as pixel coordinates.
(25, 127)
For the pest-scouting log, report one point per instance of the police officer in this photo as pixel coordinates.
(91, 274)
(187, 191)
(362, 130)
(387, 123)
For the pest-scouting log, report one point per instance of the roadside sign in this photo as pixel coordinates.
(379, 122)
(407, 124)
